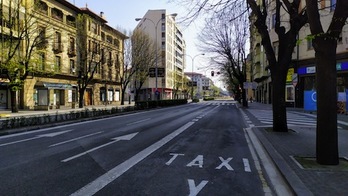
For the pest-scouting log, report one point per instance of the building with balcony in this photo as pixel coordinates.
(171, 49)
(68, 43)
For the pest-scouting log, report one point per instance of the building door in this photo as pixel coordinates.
(88, 97)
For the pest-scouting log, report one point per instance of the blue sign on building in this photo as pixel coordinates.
(310, 100)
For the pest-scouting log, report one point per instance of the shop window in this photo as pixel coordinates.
(110, 95)
(102, 94)
(41, 97)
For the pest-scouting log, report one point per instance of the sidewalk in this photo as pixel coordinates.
(8, 114)
(301, 142)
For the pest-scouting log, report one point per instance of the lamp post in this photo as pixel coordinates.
(156, 45)
(193, 59)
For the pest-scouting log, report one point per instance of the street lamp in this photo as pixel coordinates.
(193, 59)
(156, 25)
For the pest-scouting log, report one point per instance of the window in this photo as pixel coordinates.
(103, 36)
(94, 28)
(102, 56)
(70, 20)
(163, 27)
(42, 60)
(110, 74)
(108, 39)
(57, 14)
(116, 42)
(309, 44)
(71, 50)
(110, 59)
(58, 63)
(42, 7)
(273, 20)
(72, 66)
(42, 42)
(57, 45)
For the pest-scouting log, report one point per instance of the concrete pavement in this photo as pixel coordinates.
(286, 149)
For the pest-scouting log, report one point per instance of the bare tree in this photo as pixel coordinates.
(128, 70)
(139, 57)
(23, 40)
(289, 19)
(325, 44)
(143, 58)
(226, 40)
(91, 55)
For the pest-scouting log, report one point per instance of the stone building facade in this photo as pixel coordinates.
(75, 44)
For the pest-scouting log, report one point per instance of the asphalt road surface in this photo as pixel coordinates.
(194, 149)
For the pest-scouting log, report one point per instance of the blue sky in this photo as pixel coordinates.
(122, 13)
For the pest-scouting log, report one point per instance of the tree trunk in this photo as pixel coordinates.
(81, 97)
(278, 101)
(122, 96)
(244, 98)
(14, 106)
(326, 77)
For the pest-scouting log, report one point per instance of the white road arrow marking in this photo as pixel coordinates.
(78, 138)
(116, 139)
(36, 137)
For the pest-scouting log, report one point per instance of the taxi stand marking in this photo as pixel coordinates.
(198, 161)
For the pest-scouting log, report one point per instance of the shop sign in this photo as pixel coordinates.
(310, 100)
(310, 70)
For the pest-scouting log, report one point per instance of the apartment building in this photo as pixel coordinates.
(163, 29)
(72, 44)
(300, 85)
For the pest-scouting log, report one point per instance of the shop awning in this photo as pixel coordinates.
(50, 85)
(57, 85)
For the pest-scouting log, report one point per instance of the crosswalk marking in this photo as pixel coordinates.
(215, 103)
(265, 117)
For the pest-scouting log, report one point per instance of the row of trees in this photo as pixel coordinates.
(290, 17)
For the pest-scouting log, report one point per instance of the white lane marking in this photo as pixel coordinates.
(116, 139)
(36, 137)
(117, 171)
(137, 122)
(78, 138)
(246, 165)
(194, 190)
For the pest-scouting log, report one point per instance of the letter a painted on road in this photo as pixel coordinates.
(198, 161)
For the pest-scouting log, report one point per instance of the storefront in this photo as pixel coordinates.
(308, 86)
(53, 95)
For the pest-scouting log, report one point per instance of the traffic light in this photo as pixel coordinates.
(212, 73)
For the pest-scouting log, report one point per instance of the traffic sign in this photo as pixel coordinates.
(294, 79)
